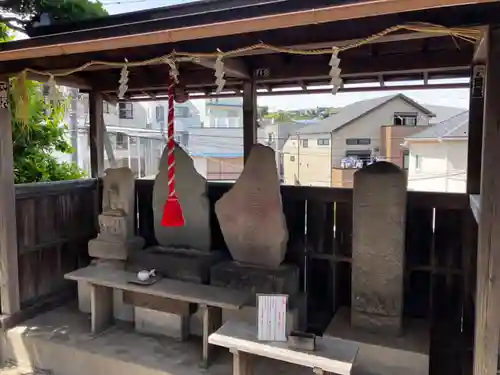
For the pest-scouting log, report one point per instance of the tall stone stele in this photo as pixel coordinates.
(379, 221)
(116, 239)
(251, 214)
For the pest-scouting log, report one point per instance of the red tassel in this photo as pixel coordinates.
(172, 213)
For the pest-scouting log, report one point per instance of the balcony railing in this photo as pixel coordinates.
(225, 122)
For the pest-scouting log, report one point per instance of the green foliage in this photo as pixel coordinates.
(71, 10)
(27, 11)
(36, 141)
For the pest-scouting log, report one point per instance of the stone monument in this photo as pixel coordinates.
(116, 240)
(254, 227)
(374, 321)
(183, 253)
(378, 246)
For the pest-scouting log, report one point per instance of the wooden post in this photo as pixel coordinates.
(476, 109)
(488, 254)
(249, 117)
(212, 321)
(9, 271)
(475, 142)
(242, 363)
(96, 134)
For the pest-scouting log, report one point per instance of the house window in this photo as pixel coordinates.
(357, 141)
(292, 158)
(305, 143)
(126, 111)
(406, 159)
(181, 112)
(418, 161)
(405, 119)
(159, 113)
(105, 107)
(323, 142)
(121, 141)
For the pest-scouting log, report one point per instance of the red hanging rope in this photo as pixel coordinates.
(172, 211)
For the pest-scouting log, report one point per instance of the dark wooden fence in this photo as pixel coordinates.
(56, 220)
(54, 223)
(441, 242)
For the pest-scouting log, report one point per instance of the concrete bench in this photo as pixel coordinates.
(332, 355)
(211, 299)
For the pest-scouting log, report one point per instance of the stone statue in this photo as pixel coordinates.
(116, 238)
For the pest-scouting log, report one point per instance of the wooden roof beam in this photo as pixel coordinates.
(244, 26)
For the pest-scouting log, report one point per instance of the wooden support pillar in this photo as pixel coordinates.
(249, 117)
(9, 271)
(475, 141)
(488, 255)
(96, 134)
(476, 110)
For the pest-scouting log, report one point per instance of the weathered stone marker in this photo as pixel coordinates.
(116, 240)
(254, 227)
(379, 219)
(191, 189)
(251, 213)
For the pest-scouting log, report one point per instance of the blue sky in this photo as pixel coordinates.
(450, 97)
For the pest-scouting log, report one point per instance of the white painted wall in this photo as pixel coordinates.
(313, 165)
(442, 166)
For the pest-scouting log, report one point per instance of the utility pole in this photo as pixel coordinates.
(73, 124)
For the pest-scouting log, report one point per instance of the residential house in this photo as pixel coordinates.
(373, 128)
(277, 133)
(438, 156)
(224, 113)
(218, 152)
(135, 132)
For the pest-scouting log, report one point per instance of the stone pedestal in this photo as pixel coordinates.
(180, 264)
(234, 275)
(161, 323)
(379, 218)
(114, 249)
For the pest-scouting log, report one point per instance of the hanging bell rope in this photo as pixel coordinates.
(172, 211)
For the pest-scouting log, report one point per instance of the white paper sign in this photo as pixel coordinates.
(271, 319)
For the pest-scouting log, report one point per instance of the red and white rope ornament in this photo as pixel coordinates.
(172, 212)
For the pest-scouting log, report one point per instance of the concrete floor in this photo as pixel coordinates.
(59, 342)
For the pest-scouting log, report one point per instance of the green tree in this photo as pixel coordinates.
(26, 12)
(39, 137)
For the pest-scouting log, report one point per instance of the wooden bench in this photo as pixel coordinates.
(211, 299)
(332, 355)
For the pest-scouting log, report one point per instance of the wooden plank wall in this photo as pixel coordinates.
(441, 242)
(54, 224)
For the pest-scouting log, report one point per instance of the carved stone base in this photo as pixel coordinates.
(180, 264)
(257, 279)
(162, 323)
(100, 248)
